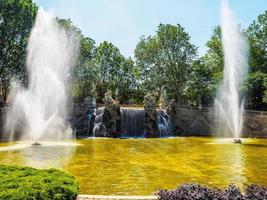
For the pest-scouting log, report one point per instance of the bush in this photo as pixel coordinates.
(25, 183)
(256, 192)
(201, 192)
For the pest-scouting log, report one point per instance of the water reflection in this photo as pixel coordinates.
(142, 166)
(46, 155)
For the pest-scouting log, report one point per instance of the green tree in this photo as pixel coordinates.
(256, 86)
(116, 73)
(201, 87)
(166, 59)
(207, 72)
(109, 59)
(16, 20)
(85, 73)
(257, 36)
(127, 81)
(214, 56)
(68, 25)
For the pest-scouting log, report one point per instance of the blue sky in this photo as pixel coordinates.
(122, 22)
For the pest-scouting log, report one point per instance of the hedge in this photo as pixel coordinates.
(201, 192)
(21, 183)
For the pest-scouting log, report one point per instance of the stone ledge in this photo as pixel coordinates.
(100, 197)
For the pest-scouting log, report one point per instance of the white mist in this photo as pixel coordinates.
(228, 103)
(39, 111)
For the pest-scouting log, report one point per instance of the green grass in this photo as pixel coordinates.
(21, 183)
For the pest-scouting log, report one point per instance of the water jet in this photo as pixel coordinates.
(39, 110)
(229, 104)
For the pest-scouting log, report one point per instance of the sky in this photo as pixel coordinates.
(123, 22)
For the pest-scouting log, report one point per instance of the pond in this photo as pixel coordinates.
(143, 166)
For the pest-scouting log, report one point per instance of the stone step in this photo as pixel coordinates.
(102, 197)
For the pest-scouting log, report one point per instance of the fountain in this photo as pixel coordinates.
(39, 111)
(113, 121)
(228, 103)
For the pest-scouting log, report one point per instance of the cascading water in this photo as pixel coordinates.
(164, 124)
(98, 126)
(39, 111)
(228, 103)
(132, 122)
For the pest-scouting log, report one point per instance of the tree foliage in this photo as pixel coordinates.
(201, 87)
(207, 72)
(84, 74)
(117, 73)
(166, 59)
(256, 86)
(16, 20)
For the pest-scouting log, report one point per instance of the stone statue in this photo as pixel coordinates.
(108, 100)
(163, 98)
(93, 92)
(90, 100)
(171, 108)
(111, 117)
(149, 101)
(84, 121)
(151, 128)
(171, 111)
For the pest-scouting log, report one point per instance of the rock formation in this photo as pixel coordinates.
(150, 128)
(111, 118)
(171, 109)
(84, 115)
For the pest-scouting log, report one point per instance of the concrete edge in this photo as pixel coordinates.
(99, 197)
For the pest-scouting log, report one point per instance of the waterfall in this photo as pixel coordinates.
(132, 123)
(164, 124)
(98, 126)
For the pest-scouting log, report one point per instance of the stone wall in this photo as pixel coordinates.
(79, 119)
(192, 121)
(189, 121)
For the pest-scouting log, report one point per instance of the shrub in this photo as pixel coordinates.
(255, 192)
(201, 192)
(190, 191)
(21, 183)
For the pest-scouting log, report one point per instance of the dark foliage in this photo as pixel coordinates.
(201, 192)
(255, 192)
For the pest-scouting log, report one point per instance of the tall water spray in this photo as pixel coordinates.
(39, 111)
(228, 102)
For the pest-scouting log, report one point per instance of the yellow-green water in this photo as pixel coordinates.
(142, 166)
